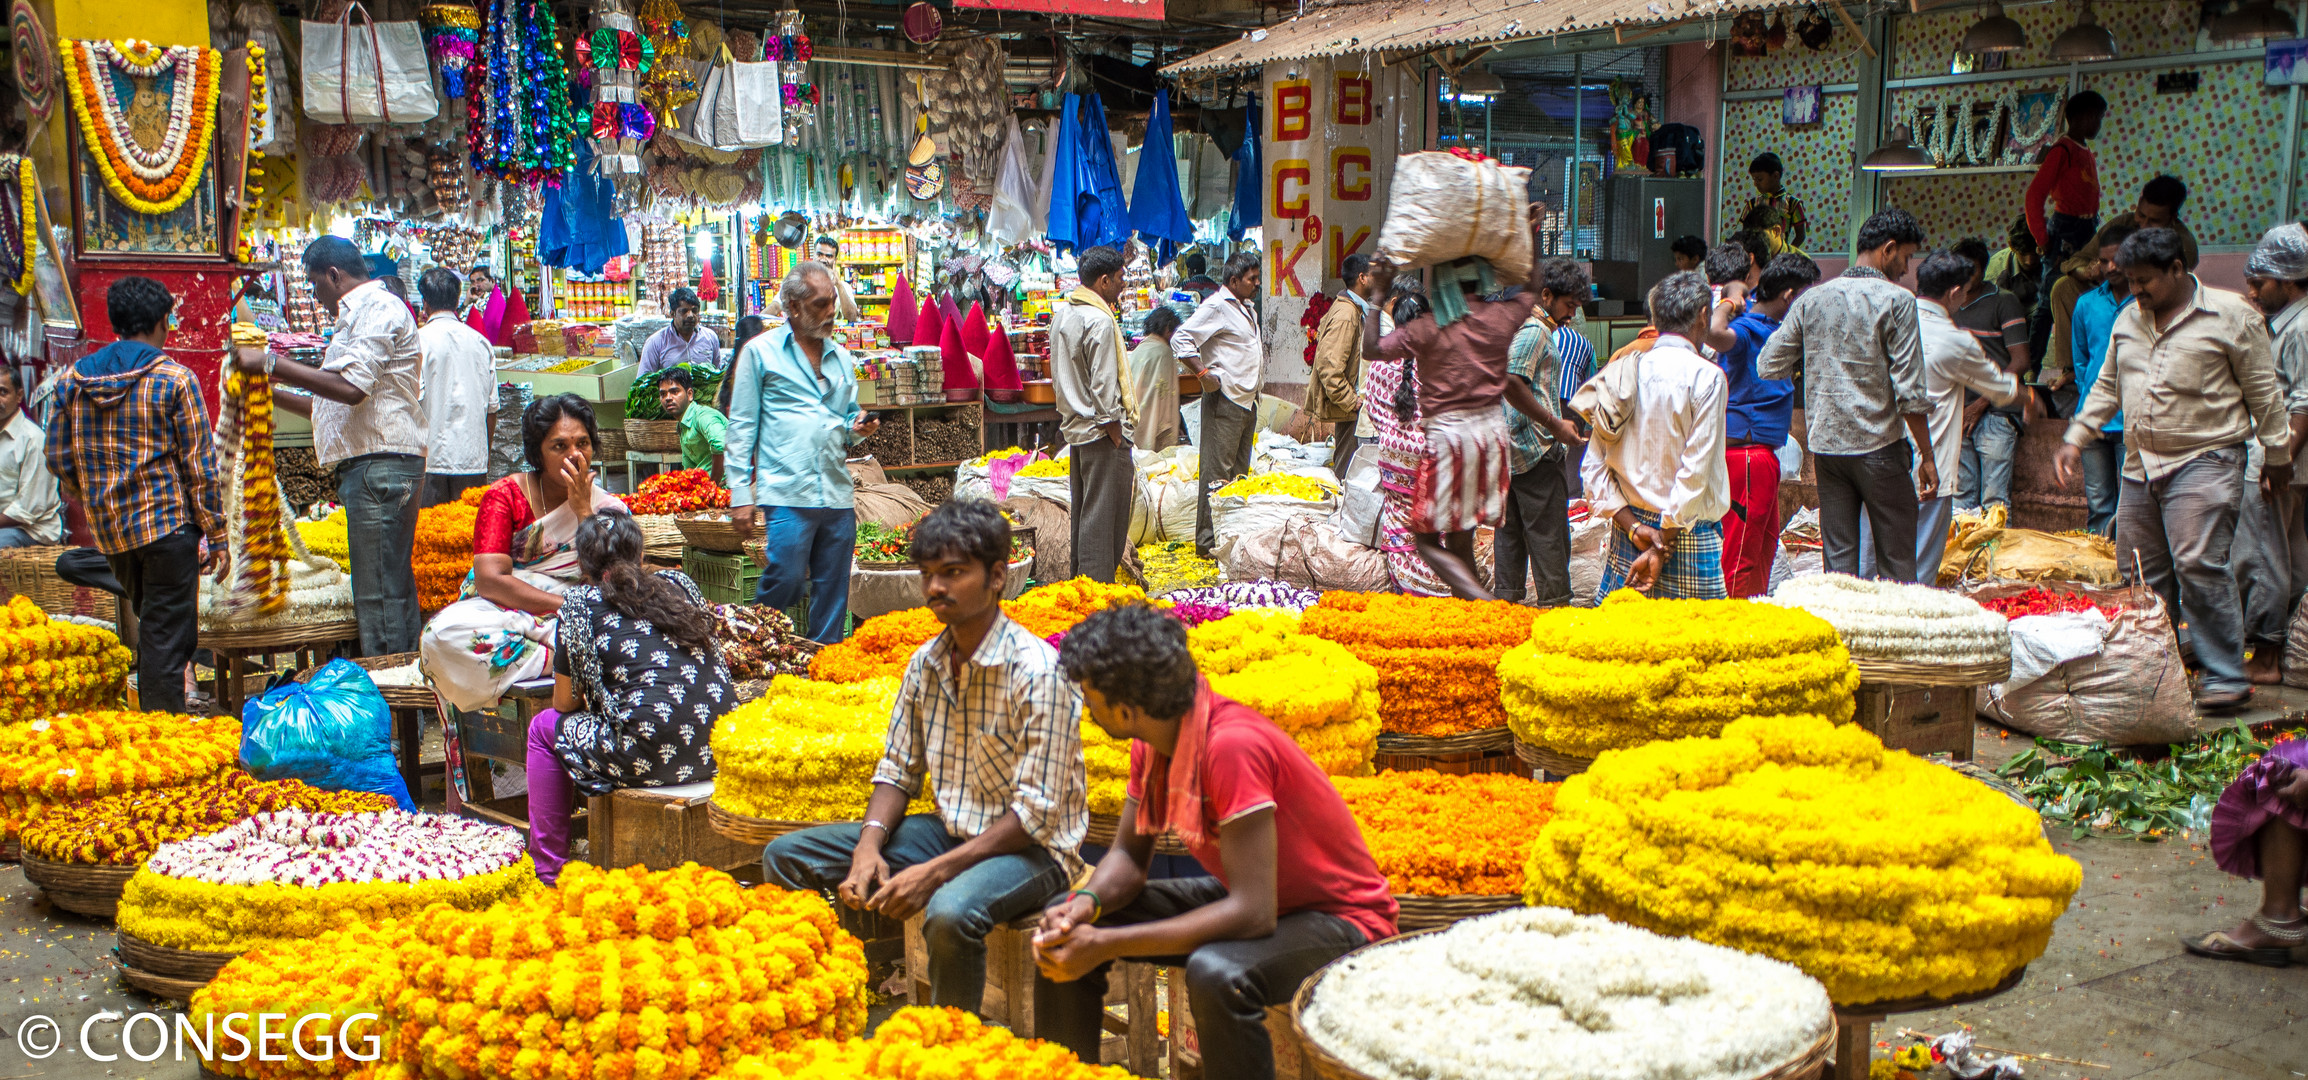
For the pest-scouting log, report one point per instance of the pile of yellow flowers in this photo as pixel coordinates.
(1437, 657)
(1634, 670)
(574, 363)
(1434, 834)
(804, 751)
(612, 975)
(123, 829)
(1004, 454)
(48, 667)
(882, 644)
(1173, 565)
(1290, 485)
(918, 1043)
(1106, 760)
(64, 759)
(1045, 468)
(1314, 689)
(1059, 605)
(1878, 873)
(329, 538)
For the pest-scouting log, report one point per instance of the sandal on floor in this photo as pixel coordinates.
(2217, 945)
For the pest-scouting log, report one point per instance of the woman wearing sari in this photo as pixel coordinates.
(501, 631)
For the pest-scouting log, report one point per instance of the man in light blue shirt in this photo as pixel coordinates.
(793, 420)
(2089, 326)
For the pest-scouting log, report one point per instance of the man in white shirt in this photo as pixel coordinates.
(1094, 414)
(368, 424)
(31, 510)
(1655, 463)
(458, 393)
(1953, 361)
(1222, 344)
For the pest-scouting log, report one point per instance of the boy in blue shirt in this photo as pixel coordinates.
(2088, 329)
(1757, 416)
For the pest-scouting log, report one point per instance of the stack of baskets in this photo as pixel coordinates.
(31, 572)
(711, 530)
(654, 436)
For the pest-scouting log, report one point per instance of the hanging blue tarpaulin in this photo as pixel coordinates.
(1157, 207)
(1086, 207)
(1249, 177)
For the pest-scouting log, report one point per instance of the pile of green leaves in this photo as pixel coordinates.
(2095, 786)
(641, 398)
(882, 544)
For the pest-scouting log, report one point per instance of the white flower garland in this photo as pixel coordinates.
(1886, 620)
(1953, 136)
(295, 847)
(153, 165)
(1544, 992)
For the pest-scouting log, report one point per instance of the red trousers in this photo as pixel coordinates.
(1751, 529)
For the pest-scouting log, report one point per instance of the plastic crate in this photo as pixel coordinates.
(722, 578)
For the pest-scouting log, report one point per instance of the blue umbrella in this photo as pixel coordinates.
(1249, 179)
(1086, 205)
(1157, 208)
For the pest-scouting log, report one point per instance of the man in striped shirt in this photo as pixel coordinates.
(986, 717)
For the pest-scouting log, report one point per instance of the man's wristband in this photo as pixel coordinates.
(1097, 908)
(873, 824)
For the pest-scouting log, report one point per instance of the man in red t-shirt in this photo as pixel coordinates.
(1294, 886)
(2069, 176)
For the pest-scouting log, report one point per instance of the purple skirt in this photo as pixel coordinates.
(2250, 802)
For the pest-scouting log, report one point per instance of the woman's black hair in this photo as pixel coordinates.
(747, 329)
(1411, 305)
(537, 423)
(1133, 655)
(1161, 323)
(609, 548)
(970, 528)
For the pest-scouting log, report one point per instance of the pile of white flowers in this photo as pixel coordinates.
(1544, 992)
(319, 592)
(296, 847)
(1886, 620)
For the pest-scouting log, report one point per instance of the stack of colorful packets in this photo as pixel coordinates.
(805, 751)
(1881, 874)
(125, 829)
(444, 552)
(882, 645)
(916, 1043)
(1314, 689)
(291, 874)
(48, 667)
(66, 759)
(674, 974)
(1437, 657)
(1435, 834)
(1634, 670)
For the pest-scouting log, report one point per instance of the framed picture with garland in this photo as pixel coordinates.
(203, 227)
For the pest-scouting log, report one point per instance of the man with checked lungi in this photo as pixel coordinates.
(1458, 354)
(1655, 464)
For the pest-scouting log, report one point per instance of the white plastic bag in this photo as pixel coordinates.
(372, 73)
(760, 102)
(1360, 499)
(1444, 207)
(1590, 549)
(1011, 220)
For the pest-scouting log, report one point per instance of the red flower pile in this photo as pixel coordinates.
(677, 493)
(2041, 601)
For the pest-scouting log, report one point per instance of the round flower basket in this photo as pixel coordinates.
(752, 830)
(1550, 762)
(1420, 913)
(711, 533)
(80, 888)
(1105, 827)
(1318, 1062)
(159, 969)
(1908, 673)
(653, 436)
(1471, 752)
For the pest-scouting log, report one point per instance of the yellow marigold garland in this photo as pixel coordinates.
(262, 578)
(1435, 834)
(1634, 670)
(48, 667)
(1437, 657)
(882, 645)
(123, 829)
(90, 755)
(28, 189)
(1047, 468)
(133, 191)
(804, 751)
(1106, 761)
(922, 1043)
(361, 968)
(331, 538)
(1291, 485)
(1878, 873)
(1314, 689)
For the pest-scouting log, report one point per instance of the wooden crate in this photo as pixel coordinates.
(1131, 1039)
(660, 828)
(1919, 719)
(1485, 761)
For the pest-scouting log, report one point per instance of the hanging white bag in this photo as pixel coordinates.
(760, 102)
(374, 73)
(1444, 207)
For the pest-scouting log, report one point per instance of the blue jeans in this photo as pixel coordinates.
(960, 914)
(1983, 473)
(810, 545)
(380, 493)
(13, 537)
(2103, 482)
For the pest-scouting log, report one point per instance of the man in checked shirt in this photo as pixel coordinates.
(988, 719)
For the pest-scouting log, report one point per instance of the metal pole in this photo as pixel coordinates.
(1578, 146)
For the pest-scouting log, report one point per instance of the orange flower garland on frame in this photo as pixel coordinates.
(148, 181)
(1437, 657)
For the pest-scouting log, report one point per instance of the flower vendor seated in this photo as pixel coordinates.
(500, 630)
(985, 716)
(1295, 885)
(637, 685)
(702, 425)
(2260, 829)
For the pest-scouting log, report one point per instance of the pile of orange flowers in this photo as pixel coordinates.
(123, 829)
(48, 666)
(262, 577)
(1435, 834)
(1437, 657)
(884, 643)
(444, 552)
(65, 759)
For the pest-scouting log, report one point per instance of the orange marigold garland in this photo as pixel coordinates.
(148, 181)
(1437, 657)
(444, 551)
(884, 643)
(260, 576)
(1434, 834)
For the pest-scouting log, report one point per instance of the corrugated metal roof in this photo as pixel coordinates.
(1415, 25)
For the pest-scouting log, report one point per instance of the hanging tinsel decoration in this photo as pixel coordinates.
(453, 34)
(519, 123)
(669, 84)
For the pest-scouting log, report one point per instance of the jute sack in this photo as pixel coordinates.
(1444, 207)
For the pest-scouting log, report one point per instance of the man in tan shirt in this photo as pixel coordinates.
(1332, 390)
(2196, 381)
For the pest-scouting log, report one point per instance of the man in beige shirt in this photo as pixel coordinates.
(2196, 381)
(1331, 396)
(1094, 413)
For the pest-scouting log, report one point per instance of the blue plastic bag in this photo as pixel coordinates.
(332, 731)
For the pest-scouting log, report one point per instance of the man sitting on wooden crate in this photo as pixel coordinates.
(1293, 887)
(986, 717)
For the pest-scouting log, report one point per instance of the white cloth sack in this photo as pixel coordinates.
(1233, 516)
(1011, 219)
(1169, 486)
(2131, 691)
(1590, 549)
(342, 66)
(760, 103)
(1304, 551)
(2040, 643)
(1444, 207)
(1360, 499)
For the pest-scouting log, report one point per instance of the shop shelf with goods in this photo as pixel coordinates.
(602, 383)
(598, 299)
(931, 437)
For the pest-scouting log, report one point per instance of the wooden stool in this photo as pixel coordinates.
(1186, 1050)
(660, 828)
(501, 734)
(307, 643)
(1135, 1040)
